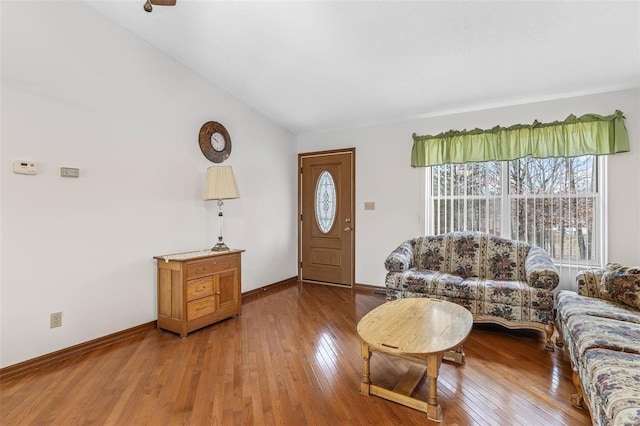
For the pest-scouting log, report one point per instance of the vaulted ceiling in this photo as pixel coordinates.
(316, 65)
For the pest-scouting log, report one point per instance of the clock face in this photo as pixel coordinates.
(217, 141)
(214, 141)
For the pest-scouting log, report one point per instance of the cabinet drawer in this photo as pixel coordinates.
(201, 307)
(210, 266)
(199, 288)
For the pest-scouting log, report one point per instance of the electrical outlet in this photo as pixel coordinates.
(55, 320)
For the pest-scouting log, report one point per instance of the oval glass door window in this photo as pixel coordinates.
(325, 202)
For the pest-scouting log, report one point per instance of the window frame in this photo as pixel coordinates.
(600, 210)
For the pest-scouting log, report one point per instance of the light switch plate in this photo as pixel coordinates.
(69, 172)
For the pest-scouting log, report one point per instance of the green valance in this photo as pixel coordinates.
(589, 134)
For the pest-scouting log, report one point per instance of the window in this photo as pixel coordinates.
(325, 202)
(554, 203)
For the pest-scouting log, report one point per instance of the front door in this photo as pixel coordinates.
(326, 219)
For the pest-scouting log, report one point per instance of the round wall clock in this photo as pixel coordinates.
(215, 142)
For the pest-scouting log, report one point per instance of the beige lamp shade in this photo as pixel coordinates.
(220, 184)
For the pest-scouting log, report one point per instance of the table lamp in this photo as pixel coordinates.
(220, 184)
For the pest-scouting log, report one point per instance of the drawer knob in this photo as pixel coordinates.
(218, 293)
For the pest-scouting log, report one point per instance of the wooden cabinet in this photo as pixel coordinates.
(197, 289)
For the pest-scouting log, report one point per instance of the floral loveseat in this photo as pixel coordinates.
(499, 280)
(600, 329)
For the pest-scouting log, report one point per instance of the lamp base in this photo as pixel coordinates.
(221, 246)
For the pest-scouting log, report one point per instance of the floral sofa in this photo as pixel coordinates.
(600, 329)
(499, 280)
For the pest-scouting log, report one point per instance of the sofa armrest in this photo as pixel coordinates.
(401, 259)
(589, 282)
(540, 270)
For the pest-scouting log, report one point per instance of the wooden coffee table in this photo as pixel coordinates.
(421, 330)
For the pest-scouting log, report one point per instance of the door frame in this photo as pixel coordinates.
(352, 198)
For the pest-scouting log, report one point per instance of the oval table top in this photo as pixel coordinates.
(416, 326)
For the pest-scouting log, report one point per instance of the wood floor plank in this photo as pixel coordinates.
(291, 358)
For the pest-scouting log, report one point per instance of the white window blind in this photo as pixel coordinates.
(554, 203)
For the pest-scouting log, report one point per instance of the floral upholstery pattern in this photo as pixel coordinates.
(540, 270)
(602, 338)
(491, 276)
(401, 258)
(570, 303)
(586, 332)
(614, 377)
(622, 284)
(589, 283)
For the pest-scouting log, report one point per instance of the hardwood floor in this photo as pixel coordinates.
(291, 358)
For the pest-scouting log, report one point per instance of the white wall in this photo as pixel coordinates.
(384, 175)
(80, 91)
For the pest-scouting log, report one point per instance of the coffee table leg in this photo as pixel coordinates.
(365, 386)
(434, 412)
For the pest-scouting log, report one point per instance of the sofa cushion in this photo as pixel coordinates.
(431, 253)
(611, 381)
(504, 292)
(588, 332)
(472, 254)
(418, 280)
(622, 284)
(454, 289)
(465, 251)
(472, 305)
(589, 283)
(569, 303)
(505, 259)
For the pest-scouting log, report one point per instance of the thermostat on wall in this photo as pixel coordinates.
(25, 167)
